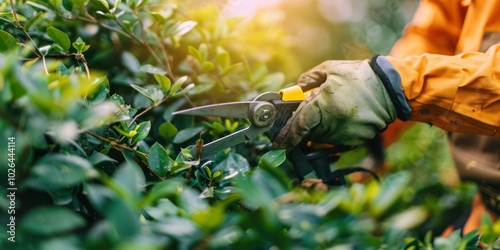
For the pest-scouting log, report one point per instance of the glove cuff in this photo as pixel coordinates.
(392, 82)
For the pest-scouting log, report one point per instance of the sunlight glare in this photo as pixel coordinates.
(247, 8)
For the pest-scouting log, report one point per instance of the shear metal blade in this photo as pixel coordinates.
(227, 110)
(210, 149)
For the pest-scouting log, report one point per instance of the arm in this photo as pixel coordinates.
(356, 99)
(457, 93)
(435, 28)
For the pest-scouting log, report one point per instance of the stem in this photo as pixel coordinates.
(82, 58)
(114, 144)
(118, 146)
(91, 19)
(19, 26)
(217, 78)
(147, 110)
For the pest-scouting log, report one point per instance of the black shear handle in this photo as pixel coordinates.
(308, 162)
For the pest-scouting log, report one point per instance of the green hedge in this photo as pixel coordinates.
(96, 160)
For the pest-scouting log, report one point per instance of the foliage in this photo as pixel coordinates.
(87, 91)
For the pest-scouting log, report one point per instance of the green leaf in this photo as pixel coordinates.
(99, 196)
(167, 130)
(121, 131)
(158, 160)
(34, 20)
(184, 27)
(67, 242)
(223, 59)
(142, 132)
(217, 174)
(178, 167)
(273, 158)
(207, 66)
(178, 83)
(61, 171)
(79, 45)
(167, 188)
(165, 13)
(158, 17)
(164, 208)
(179, 228)
(55, 4)
(218, 127)
(85, 48)
(391, 190)
(156, 94)
(115, 6)
(101, 5)
(164, 82)
(130, 62)
(48, 221)
(211, 218)
(208, 192)
(123, 218)
(189, 201)
(203, 52)
(254, 193)
(230, 69)
(143, 91)
(259, 73)
(97, 158)
(148, 68)
(208, 172)
(130, 177)
(194, 52)
(79, 3)
(233, 165)
(7, 42)
(270, 82)
(187, 134)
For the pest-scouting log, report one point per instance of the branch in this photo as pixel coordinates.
(114, 144)
(19, 26)
(147, 110)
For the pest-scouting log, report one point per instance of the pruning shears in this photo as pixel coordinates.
(268, 113)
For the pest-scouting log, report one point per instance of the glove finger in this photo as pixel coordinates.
(311, 79)
(298, 126)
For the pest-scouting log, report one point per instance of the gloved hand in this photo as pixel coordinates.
(350, 105)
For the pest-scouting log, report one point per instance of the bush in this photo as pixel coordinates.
(96, 160)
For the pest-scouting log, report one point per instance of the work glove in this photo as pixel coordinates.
(349, 103)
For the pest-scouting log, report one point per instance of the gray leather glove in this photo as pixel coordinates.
(348, 105)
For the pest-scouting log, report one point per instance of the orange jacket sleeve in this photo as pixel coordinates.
(435, 28)
(458, 93)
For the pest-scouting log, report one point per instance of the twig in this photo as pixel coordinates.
(81, 57)
(147, 110)
(217, 78)
(114, 144)
(19, 26)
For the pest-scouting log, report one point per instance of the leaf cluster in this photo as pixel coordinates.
(88, 88)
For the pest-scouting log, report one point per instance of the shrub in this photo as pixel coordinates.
(97, 160)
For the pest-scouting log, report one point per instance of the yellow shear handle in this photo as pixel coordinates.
(293, 93)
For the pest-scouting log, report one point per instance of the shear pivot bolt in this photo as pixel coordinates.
(262, 114)
(265, 114)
